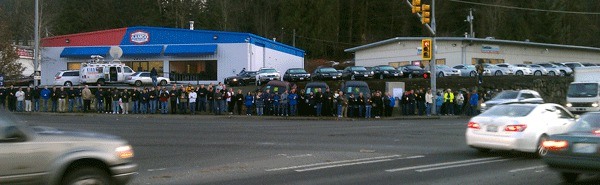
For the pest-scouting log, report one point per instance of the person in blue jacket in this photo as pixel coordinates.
(439, 100)
(473, 102)
(45, 94)
(248, 102)
(293, 101)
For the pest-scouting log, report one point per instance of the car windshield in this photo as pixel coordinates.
(583, 90)
(443, 67)
(358, 68)
(314, 89)
(534, 66)
(587, 123)
(135, 74)
(275, 89)
(507, 95)
(297, 71)
(268, 71)
(509, 110)
(356, 90)
(328, 70)
(386, 68)
(413, 67)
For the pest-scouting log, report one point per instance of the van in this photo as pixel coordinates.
(314, 86)
(356, 87)
(102, 73)
(277, 86)
(66, 78)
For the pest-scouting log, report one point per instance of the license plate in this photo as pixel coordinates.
(395, 74)
(366, 75)
(585, 148)
(334, 77)
(270, 78)
(301, 78)
(492, 128)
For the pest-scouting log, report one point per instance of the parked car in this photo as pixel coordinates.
(517, 127)
(266, 75)
(277, 86)
(511, 96)
(576, 151)
(143, 78)
(42, 155)
(444, 70)
(67, 78)
(296, 74)
(564, 70)
(589, 64)
(497, 71)
(313, 86)
(356, 72)
(469, 70)
(356, 87)
(553, 70)
(243, 78)
(326, 73)
(536, 69)
(412, 71)
(19, 81)
(386, 71)
(573, 65)
(519, 71)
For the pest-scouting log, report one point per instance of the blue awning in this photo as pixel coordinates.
(84, 52)
(142, 50)
(190, 50)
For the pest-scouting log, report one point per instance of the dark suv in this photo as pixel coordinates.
(326, 73)
(386, 71)
(356, 72)
(296, 74)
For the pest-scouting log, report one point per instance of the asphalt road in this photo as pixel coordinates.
(177, 149)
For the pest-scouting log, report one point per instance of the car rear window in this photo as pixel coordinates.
(509, 110)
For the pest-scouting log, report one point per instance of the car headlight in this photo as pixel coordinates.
(594, 104)
(386, 72)
(372, 73)
(569, 105)
(483, 105)
(339, 74)
(235, 79)
(355, 72)
(308, 75)
(124, 152)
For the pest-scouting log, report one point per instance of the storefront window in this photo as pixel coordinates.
(73, 65)
(193, 70)
(146, 66)
(487, 60)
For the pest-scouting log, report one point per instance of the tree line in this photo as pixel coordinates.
(323, 28)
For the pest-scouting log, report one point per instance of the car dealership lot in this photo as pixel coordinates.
(177, 149)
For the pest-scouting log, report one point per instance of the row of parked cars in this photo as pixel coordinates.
(406, 71)
(71, 77)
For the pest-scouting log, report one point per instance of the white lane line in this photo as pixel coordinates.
(345, 164)
(525, 169)
(157, 169)
(461, 165)
(331, 163)
(440, 164)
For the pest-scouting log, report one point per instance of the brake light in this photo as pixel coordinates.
(129, 78)
(473, 125)
(555, 145)
(515, 128)
(58, 77)
(597, 132)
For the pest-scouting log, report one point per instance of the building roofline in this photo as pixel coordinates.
(463, 39)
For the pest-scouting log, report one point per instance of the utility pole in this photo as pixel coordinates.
(470, 20)
(36, 48)
(425, 20)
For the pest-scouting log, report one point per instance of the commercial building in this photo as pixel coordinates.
(183, 55)
(459, 50)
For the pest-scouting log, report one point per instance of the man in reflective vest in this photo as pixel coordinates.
(449, 102)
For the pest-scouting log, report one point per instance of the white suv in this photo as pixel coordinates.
(67, 78)
(266, 75)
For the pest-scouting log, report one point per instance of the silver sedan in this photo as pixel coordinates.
(141, 78)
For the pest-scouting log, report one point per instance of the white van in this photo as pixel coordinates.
(67, 78)
(102, 73)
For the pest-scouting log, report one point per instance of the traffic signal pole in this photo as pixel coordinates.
(432, 62)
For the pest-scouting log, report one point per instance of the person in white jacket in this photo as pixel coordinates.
(192, 98)
(20, 99)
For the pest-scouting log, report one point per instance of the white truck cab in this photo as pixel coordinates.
(100, 72)
(582, 95)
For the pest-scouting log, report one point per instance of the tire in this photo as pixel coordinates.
(164, 83)
(381, 76)
(410, 75)
(551, 73)
(472, 74)
(87, 175)
(352, 77)
(101, 82)
(498, 73)
(440, 75)
(519, 73)
(563, 73)
(537, 73)
(569, 177)
(540, 151)
(138, 83)
(68, 84)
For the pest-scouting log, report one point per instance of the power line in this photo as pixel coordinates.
(529, 9)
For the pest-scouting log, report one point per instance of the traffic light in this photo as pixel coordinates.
(416, 6)
(416, 2)
(426, 75)
(426, 45)
(425, 13)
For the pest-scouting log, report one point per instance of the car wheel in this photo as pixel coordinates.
(68, 84)
(569, 177)
(563, 73)
(551, 73)
(138, 83)
(87, 175)
(537, 73)
(163, 83)
(441, 74)
(352, 77)
(473, 73)
(381, 77)
(101, 82)
(410, 75)
(498, 73)
(541, 151)
(519, 73)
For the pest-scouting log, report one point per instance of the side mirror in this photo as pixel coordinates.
(13, 134)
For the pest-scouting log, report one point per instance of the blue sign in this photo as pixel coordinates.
(1, 80)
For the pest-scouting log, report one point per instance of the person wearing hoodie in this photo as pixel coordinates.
(45, 94)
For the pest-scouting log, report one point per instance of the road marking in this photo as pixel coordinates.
(441, 164)
(344, 164)
(158, 169)
(338, 162)
(525, 169)
(461, 165)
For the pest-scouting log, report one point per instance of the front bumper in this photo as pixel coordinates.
(297, 78)
(124, 173)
